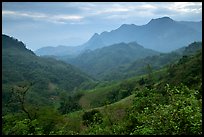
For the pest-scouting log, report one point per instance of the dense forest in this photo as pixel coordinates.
(159, 94)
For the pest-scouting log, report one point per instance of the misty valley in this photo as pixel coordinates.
(133, 80)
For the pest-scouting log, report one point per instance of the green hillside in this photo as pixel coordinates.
(100, 61)
(164, 105)
(139, 66)
(45, 77)
(42, 96)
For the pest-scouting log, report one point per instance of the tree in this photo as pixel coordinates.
(150, 80)
(92, 117)
(69, 103)
(19, 93)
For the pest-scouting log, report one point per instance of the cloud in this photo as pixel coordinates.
(21, 14)
(183, 7)
(59, 19)
(111, 8)
(8, 13)
(99, 8)
(67, 17)
(127, 11)
(80, 12)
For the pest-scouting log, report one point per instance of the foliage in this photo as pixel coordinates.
(92, 117)
(17, 125)
(180, 115)
(69, 103)
(47, 75)
(187, 71)
(137, 67)
(41, 99)
(101, 61)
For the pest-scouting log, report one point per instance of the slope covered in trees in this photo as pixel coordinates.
(163, 102)
(166, 102)
(156, 62)
(100, 61)
(45, 77)
(121, 61)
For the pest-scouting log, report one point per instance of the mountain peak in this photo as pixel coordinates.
(161, 20)
(95, 35)
(165, 18)
(127, 25)
(14, 44)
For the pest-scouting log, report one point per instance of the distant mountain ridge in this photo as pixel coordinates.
(58, 51)
(100, 61)
(161, 34)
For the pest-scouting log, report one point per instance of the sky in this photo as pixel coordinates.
(41, 24)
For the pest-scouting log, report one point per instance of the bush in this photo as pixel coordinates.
(92, 117)
(181, 114)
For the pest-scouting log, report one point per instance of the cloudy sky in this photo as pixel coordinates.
(40, 24)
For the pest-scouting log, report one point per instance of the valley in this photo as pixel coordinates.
(134, 80)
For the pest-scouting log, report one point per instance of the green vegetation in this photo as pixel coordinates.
(101, 61)
(69, 103)
(92, 117)
(156, 62)
(48, 77)
(50, 97)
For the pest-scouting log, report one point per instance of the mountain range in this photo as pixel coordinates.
(161, 34)
(131, 89)
(139, 66)
(102, 60)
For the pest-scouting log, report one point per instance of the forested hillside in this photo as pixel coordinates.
(102, 68)
(100, 61)
(166, 101)
(45, 78)
(140, 66)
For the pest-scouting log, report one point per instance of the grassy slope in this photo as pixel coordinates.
(116, 111)
(99, 95)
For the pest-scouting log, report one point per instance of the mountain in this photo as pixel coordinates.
(94, 42)
(98, 62)
(149, 104)
(139, 67)
(196, 25)
(58, 51)
(161, 34)
(48, 76)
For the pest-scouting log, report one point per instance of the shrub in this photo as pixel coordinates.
(92, 117)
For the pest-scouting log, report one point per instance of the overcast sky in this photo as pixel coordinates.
(40, 24)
